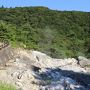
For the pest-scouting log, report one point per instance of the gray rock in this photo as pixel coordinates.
(19, 84)
(37, 71)
(83, 61)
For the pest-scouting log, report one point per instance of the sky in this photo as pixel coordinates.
(77, 5)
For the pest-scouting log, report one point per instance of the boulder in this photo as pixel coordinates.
(83, 61)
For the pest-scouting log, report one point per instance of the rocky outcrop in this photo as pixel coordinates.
(33, 70)
(83, 61)
(6, 54)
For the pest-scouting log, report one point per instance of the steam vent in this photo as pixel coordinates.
(5, 52)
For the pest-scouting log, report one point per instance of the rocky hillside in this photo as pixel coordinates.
(33, 70)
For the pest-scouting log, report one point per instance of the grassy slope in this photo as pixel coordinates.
(4, 86)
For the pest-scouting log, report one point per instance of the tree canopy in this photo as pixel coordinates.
(57, 33)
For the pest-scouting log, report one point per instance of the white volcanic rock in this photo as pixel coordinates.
(42, 60)
(30, 69)
(73, 68)
(83, 61)
(82, 58)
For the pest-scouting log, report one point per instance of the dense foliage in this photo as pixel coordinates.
(57, 33)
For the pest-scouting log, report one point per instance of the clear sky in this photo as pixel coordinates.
(80, 5)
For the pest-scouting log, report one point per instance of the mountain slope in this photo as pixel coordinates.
(57, 33)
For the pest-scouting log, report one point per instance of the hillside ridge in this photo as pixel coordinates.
(57, 33)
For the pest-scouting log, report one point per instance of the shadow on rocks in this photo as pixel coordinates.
(54, 75)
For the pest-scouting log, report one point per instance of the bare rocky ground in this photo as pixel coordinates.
(33, 70)
(0, 43)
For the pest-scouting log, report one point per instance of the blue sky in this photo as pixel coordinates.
(80, 5)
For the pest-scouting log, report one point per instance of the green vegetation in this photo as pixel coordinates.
(57, 33)
(4, 86)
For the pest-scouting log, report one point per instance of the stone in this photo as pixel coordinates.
(83, 61)
(33, 70)
(19, 84)
(5, 55)
(82, 58)
(52, 87)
